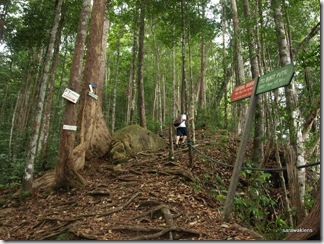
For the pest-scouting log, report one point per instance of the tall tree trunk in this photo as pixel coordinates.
(140, 82)
(191, 96)
(184, 94)
(258, 125)
(94, 136)
(240, 78)
(25, 102)
(274, 121)
(131, 83)
(223, 89)
(4, 103)
(44, 138)
(103, 61)
(158, 86)
(202, 90)
(65, 166)
(176, 108)
(297, 180)
(120, 33)
(13, 120)
(29, 168)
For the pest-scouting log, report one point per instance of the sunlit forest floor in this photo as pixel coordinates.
(148, 198)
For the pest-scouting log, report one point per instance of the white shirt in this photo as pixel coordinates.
(183, 123)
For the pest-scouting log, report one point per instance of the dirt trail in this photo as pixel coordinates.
(148, 198)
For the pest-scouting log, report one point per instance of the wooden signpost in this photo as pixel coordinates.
(275, 79)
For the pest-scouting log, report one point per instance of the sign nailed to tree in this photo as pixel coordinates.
(275, 79)
(70, 95)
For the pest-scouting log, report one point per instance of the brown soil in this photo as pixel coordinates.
(147, 198)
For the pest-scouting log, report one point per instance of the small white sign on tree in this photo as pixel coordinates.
(70, 95)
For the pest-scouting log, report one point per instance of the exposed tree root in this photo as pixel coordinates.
(152, 212)
(174, 231)
(158, 232)
(181, 172)
(114, 210)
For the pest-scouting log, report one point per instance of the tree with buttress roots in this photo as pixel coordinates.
(93, 138)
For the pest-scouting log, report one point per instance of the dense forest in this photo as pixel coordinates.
(76, 74)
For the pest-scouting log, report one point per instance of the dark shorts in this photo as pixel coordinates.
(182, 131)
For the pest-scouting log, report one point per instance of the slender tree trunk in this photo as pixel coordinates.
(103, 61)
(184, 99)
(286, 203)
(140, 85)
(4, 103)
(29, 168)
(176, 108)
(258, 153)
(202, 89)
(158, 86)
(44, 138)
(131, 83)
(24, 103)
(164, 99)
(13, 120)
(191, 97)
(113, 114)
(224, 63)
(240, 78)
(295, 135)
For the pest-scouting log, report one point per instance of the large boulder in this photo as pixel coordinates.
(132, 139)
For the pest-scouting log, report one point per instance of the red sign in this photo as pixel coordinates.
(242, 91)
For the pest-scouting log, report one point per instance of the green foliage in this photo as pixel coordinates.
(24, 195)
(221, 197)
(153, 125)
(254, 206)
(274, 229)
(35, 25)
(11, 171)
(206, 119)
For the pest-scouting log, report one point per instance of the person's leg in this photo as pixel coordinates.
(185, 135)
(179, 133)
(184, 138)
(177, 140)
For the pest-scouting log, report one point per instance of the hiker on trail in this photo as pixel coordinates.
(182, 131)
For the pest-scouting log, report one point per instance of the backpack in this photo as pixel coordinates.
(177, 121)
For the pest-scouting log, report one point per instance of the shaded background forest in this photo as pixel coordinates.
(194, 54)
